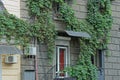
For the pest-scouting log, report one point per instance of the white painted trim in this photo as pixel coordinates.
(61, 42)
(67, 55)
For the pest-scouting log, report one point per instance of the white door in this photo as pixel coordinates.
(0, 68)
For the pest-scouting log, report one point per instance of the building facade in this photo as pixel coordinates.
(9, 70)
(34, 67)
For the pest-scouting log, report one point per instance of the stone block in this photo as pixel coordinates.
(113, 47)
(118, 59)
(113, 7)
(116, 13)
(76, 7)
(108, 65)
(115, 53)
(83, 8)
(75, 50)
(115, 40)
(116, 78)
(83, 2)
(45, 69)
(43, 62)
(80, 14)
(23, 5)
(27, 62)
(43, 48)
(112, 59)
(74, 56)
(118, 8)
(108, 78)
(119, 72)
(118, 33)
(113, 33)
(112, 72)
(116, 20)
(116, 66)
(42, 54)
(24, 13)
(45, 76)
(106, 72)
(115, 27)
(73, 62)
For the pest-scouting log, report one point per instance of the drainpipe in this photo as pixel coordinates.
(36, 63)
(36, 67)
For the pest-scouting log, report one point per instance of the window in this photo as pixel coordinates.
(56, 8)
(62, 56)
(98, 60)
(29, 75)
(61, 61)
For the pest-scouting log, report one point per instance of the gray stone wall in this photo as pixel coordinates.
(29, 63)
(24, 10)
(42, 59)
(74, 50)
(112, 62)
(80, 8)
(45, 70)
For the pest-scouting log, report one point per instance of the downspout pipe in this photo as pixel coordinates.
(36, 62)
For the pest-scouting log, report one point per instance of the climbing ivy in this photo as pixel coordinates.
(99, 16)
(97, 24)
(40, 26)
(43, 26)
(13, 28)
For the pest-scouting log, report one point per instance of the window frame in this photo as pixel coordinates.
(98, 61)
(56, 8)
(61, 41)
(58, 60)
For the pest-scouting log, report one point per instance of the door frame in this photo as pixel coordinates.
(61, 42)
(58, 59)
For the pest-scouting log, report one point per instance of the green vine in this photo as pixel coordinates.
(14, 28)
(99, 16)
(97, 24)
(43, 25)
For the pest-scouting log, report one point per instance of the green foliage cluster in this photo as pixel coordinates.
(84, 69)
(22, 32)
(14, 28)
(99, 16)
(97, 24)
(43, 26)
